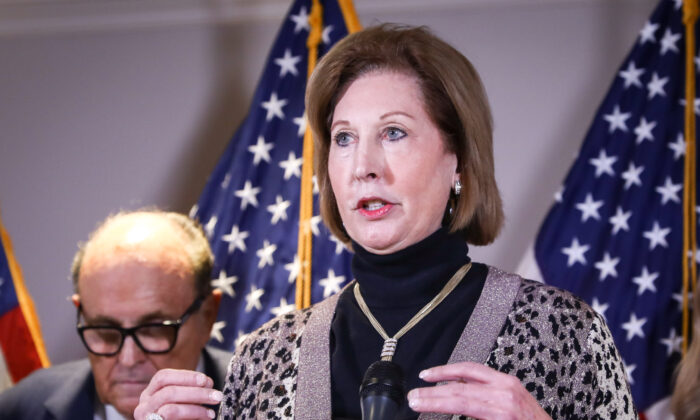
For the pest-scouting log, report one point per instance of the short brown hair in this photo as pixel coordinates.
(453, 96)
(197, 245)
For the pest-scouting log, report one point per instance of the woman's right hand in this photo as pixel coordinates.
(178, 394)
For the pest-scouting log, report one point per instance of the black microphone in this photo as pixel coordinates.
(382, 391)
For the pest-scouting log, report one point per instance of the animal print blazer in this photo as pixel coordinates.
(554, 343)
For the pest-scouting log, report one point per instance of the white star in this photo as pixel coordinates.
(241, 337)
(301, 21)
(339, 245)
(292, 166)
(279, 209)
(645, 281)
(603, 164)
(226, 181)
(657, 236)
(669, 191)
(628, 371)
(631, 175)
(643, 130)
(668, 42)
(283, 308)
(634, 327)
(288, 63)
(236, 239)
(600, 307)
(672, 343)
(326, 35)
(678, 147)
(559, 195)
(260, 150)
(620, 219)
(315, 220)
(677, 4)
(210, 226)
(589, 208)
(293, 267)
(647, 33)
(301, 123)
(617, 119)
(696, 105)
(274, 107)
(314, 180)
(631, 75)
(607, 266)
(678, 297)
(575, 252)
(697, 255)
(225, 283)
(216, 331)
(248, 195)
(331, 284)
(656, 85)
(697, 62)
(265, 254)
(312, 224)
(252, 299)
(193, 212)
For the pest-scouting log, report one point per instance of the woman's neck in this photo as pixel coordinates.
(412, 275)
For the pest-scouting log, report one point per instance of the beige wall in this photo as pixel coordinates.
(98, 114)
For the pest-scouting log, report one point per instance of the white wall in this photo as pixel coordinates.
(102, 114)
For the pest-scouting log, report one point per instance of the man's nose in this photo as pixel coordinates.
(130, 354)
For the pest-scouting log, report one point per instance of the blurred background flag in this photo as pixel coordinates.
(21, 346)
(250, 205)
(614, 235)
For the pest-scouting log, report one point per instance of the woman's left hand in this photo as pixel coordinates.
(476, 391)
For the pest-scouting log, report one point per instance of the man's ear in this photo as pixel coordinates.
(75, 298)
(212, 308)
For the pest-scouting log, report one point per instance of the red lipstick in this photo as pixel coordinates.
(373, 208)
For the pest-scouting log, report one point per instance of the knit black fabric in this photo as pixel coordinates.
(396, 287)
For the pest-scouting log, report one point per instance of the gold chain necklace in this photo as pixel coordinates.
(389, 347)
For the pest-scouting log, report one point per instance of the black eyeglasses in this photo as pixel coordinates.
(153, 337)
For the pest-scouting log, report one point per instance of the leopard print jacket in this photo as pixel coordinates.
(554, 343)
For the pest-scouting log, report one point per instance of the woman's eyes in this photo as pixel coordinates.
(393, 133)
(342, 138)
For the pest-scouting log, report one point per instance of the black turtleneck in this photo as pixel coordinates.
(396, 287)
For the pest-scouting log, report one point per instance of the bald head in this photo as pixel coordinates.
(143, 235)
(145, 269)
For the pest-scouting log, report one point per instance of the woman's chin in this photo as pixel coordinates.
(380, 244)
(387, 239)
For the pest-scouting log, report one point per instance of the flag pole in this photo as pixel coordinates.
(350, 16)
(690, 16)
(306, 202)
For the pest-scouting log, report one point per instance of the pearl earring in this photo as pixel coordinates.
(458, 187)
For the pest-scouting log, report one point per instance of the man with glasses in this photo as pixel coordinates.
(144, 302)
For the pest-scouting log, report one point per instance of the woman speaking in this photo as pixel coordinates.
(403, 155)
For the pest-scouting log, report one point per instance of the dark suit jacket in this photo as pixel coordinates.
(67, 391)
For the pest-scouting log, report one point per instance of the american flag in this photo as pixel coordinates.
(614, 233)
(250, 205)
(21, 346)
